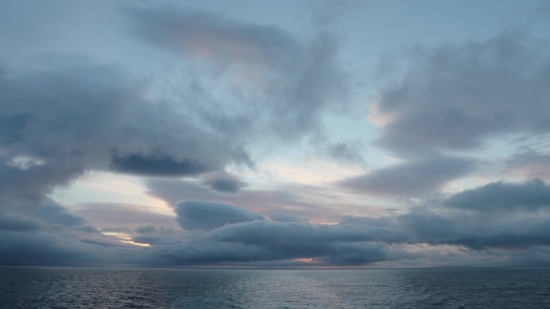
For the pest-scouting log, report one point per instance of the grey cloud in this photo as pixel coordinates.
(234, 243)
(73, 119)
(203, 215)
(456, 228)
(55, 213)
(12, 127)
(297, 81)
(250, 239)
(500, 196)
(477, 232)
(116, 229)
(25, 188)
(530, 164)
(163, 236)
(454, 97)
(326, 12)
(146, 229)
(414, 178)
(296, 234)
(57, 239)
(19, 224)
(506, 216)
(55, 248)
(156, 165)
(289, 203)
(186, 31)
(345, 152)
(224, 183)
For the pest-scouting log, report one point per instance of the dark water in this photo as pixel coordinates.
(44, 287)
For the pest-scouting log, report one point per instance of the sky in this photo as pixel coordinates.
(326, 133)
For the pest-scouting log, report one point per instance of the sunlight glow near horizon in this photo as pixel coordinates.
(125, 238)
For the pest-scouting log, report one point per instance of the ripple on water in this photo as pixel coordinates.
(48, 287)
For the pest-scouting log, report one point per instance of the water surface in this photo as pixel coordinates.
(52, 287)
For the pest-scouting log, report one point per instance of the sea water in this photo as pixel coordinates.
(64, 287)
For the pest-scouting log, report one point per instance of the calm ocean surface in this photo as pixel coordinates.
(50, 287)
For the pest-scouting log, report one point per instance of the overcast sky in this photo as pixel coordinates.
(275, 133)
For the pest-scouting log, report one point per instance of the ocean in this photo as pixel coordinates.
(65, 287)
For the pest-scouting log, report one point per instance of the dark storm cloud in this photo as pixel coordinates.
(295, 81)
(203, 215)
(156, 165)
(414, 178)
(454, 97)
(501, 196)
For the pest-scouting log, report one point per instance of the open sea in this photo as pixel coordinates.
(64, 287)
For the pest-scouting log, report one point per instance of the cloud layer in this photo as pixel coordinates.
(211, 121)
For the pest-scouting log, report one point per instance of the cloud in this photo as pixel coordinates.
(242, 243)
(146, 229)
(413, 178)
(477, 232)
(289, 240)
(11, 127)
(500, 197)
(491, 229)
(226, 234)
(244, 85)
(27, 187)
(287, 203)
(282, 85)
(530, 164)
(224, 183)
(455, 97)
(79, 117)
(345, 152)
(156, 165)
(19, 223)
(202, 34)
(203, 215)
(55, 213)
